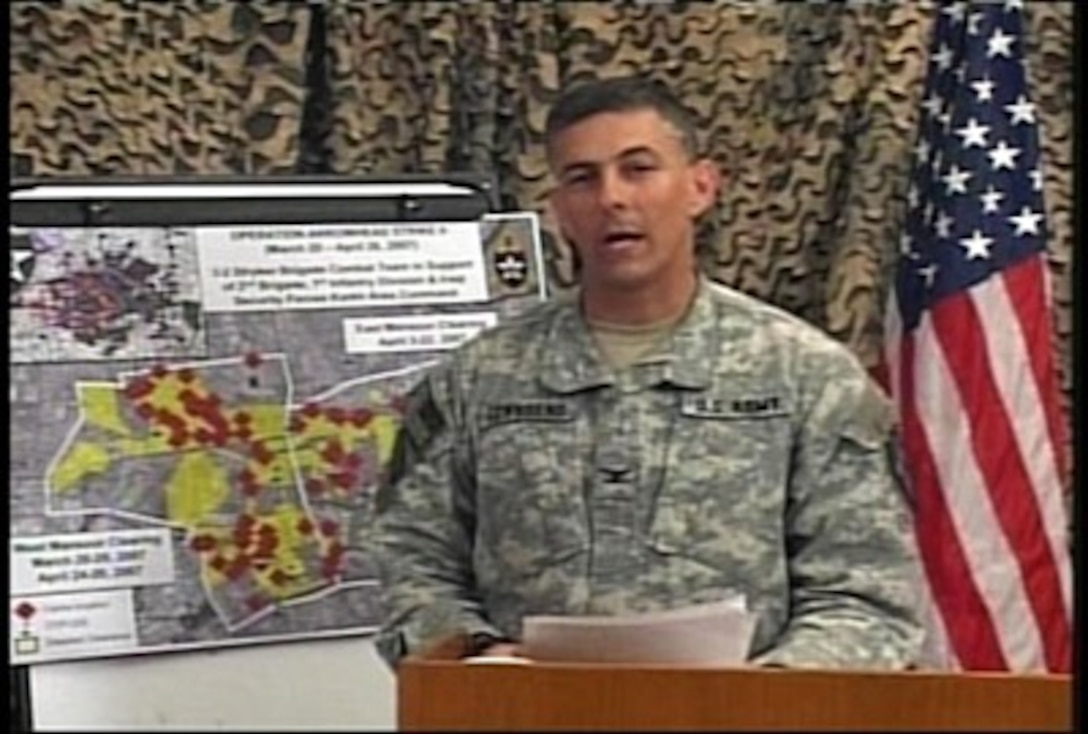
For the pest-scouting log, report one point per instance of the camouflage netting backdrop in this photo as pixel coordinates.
(811, 109)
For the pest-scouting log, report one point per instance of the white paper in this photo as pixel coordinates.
(719, 633)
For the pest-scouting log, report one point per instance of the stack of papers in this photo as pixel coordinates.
(719, 634)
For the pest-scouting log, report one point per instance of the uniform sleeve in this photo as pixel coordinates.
(852, 560)
(422, 527)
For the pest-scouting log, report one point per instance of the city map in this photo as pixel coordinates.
(199, 417)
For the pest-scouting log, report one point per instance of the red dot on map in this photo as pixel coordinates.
(333, 451)
(329, 528)
(253, 360)
(311, 410)
(203, 543)
(305, 526)
(336, 414)
(344, 480)
(138, 388)
(361, 417)
(186, 374)
(25, 610)
(160, 371)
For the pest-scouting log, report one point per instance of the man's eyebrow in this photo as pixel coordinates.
(625, 153)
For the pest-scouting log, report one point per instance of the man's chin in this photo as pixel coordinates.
(617, 276)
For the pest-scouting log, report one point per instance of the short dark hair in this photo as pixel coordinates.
(620, 94)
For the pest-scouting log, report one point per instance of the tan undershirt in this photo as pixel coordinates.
(623, 345)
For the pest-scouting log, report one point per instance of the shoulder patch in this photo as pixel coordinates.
(874, 422)
(423, 421)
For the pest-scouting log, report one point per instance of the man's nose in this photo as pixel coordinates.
(613, 191)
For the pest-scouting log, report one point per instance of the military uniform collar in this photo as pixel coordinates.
(572, 362)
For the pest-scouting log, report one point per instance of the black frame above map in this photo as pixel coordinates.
(208, 200)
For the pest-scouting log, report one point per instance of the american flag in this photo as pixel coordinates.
(969, 360)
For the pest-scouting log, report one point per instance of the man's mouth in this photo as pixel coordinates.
(621, 240)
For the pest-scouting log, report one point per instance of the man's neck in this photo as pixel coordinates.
(656, 303)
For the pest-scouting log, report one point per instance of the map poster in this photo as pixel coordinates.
(199, 416)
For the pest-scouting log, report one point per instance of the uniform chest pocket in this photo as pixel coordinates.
(728, 469)
(529, 486)
(740, 444)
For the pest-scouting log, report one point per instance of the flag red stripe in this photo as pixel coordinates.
(1025, 286)
(972, 634)
(1001, 464)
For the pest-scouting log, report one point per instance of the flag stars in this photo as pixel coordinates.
(973, 134)
(984, 89)
(991, 200)
(977, 245)
(928, 273)
(999, 44)
(973, 21)
(1011, 5)
(1036, 177)
(932, 104)
(943, 58)
(921, 150)
(955, 11)
(943, 226)
(1003, 156)
(1026, 222)
(955, 181)
(1021, 111)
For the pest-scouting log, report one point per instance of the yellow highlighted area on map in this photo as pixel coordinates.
(80, 461)
(101, 408)
(197, 488)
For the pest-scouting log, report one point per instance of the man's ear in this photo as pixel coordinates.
(706, 184)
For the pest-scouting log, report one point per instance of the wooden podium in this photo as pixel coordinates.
(436, 694)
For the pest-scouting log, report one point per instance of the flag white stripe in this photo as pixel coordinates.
(1007, 347)
(988, 553)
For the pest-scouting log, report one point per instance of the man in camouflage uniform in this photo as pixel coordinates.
(651, 441)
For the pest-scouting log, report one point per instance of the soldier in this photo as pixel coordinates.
(650, 441)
